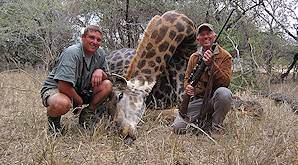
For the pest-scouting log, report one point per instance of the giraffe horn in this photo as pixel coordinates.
(118, 79)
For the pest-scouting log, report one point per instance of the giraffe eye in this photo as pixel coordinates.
(119, 96)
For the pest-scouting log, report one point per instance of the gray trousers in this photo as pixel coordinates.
(219, 106)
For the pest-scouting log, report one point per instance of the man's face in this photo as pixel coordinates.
(91, 41)
(206, 37)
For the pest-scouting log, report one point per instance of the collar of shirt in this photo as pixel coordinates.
(83, 52)
(216, 50)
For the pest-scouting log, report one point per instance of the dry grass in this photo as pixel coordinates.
(23, 137)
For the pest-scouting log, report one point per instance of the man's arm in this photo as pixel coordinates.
(67, 89)
(223, 72)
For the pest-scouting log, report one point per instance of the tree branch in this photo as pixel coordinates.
(280, 24)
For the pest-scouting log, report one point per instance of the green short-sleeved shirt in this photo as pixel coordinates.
(70, 68)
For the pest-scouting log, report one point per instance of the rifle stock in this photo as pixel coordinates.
(184, 105)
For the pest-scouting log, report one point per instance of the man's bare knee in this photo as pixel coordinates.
(59, 104)
(106, 87)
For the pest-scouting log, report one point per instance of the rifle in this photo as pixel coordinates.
(196, 75)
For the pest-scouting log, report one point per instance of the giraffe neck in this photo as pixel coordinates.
(161, 38)
(134, 65)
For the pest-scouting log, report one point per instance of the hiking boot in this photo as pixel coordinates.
(55, 128)
(205, 127)
(99, 111)
(87, 118)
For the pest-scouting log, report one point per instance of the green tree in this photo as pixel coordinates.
(33, 31)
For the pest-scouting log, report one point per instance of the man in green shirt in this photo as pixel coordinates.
(79, 77)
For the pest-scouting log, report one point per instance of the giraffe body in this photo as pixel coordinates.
(156, 68)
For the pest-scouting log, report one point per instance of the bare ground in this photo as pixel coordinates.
(273, 139)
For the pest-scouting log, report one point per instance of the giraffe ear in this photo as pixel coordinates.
(118, 80)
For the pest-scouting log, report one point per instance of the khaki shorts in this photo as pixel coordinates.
(46, 95)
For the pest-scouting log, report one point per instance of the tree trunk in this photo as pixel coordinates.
(290, 68)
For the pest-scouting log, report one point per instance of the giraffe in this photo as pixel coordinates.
(166, 37)
(168, 89)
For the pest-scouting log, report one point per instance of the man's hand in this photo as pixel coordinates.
(207, 57)
(67, 89)
(97, 77)
(190, 90)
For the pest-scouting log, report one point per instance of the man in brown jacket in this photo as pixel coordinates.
(213, 85)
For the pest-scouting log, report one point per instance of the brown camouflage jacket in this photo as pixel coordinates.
(222, 70)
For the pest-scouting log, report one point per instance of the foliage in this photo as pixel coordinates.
(261, 34)
(33, 31)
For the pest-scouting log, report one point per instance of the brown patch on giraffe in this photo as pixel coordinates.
(172, 72)
(179, 67)
(162, 33)
(167, 57)
(158, 22)
(149, 78)
(163, 47)
(170, 17)
(172, 34)
(172, 49)
(188, 22)
(136, 73)
(146, 71)
(158, 94)
(127, 62)
(112, 66)
(132, 104)
(158, 59)
(116, 57)
(179, 38)
(167, 87)
(143, 54)
(119, 64)
(154, 34)
(150, 53)
(130, 98)
(156, 68)
(151, 64)
(180, 27)
(188, 29)
(135, 100)
(127, 54)
(162, 67)
(141, 64)
(149, 46)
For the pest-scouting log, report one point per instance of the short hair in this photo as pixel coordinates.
(91, 28)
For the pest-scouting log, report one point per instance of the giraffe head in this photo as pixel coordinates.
(127, 104)
(164, 36)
